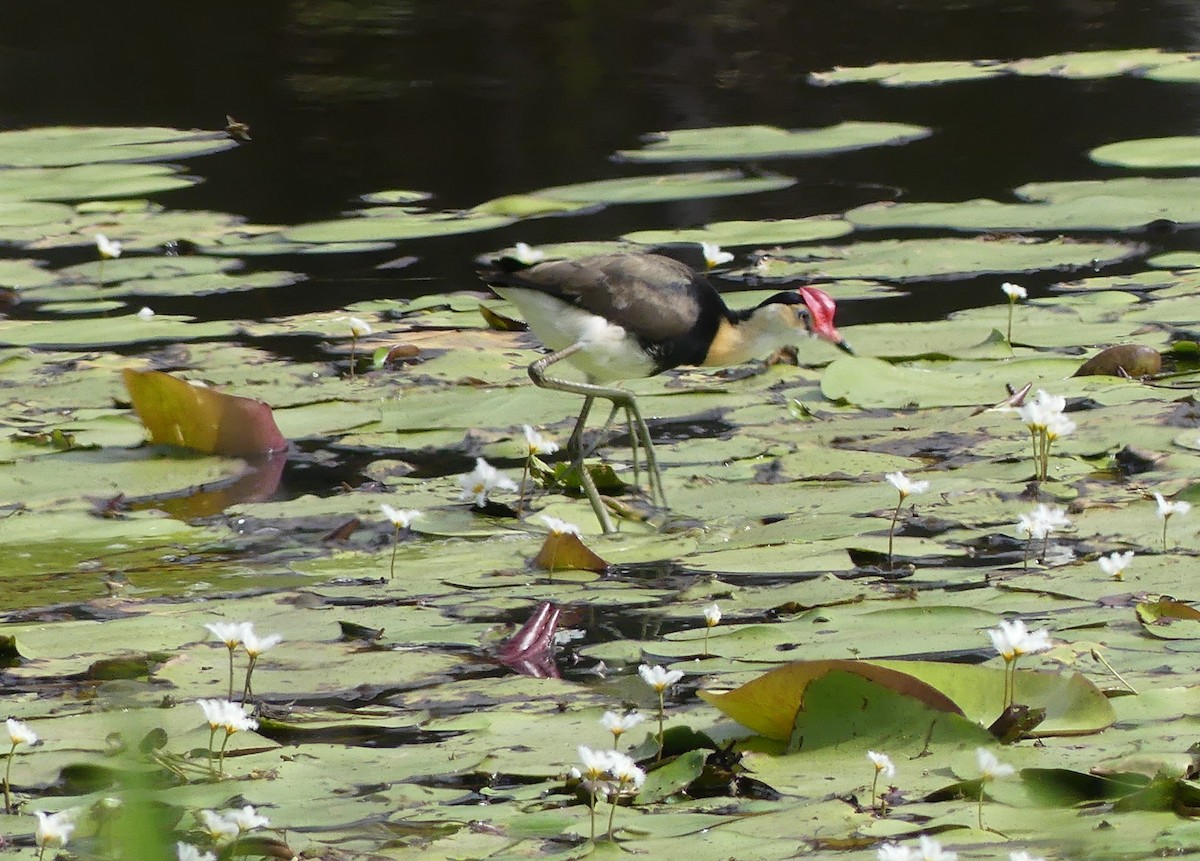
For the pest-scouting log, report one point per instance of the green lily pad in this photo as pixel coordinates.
(670, 186)
(64, 146)
(746, 143)
(903, 260)
(394, 227)
(757, 233)
(1179, 151)
(91, 181)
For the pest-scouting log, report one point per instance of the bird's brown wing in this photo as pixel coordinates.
(655, 298)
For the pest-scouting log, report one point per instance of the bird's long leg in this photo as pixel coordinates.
(537, 372)
(620, 399)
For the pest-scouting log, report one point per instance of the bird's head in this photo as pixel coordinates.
(807, 309)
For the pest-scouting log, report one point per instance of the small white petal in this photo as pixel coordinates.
(1014, 291)
(523, 253)
(146, 314)
(401, 518)
(883, 763)
(712, 615)
(990, 768)
(108, 248)
(20, 733)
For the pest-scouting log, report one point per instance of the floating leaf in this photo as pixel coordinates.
(564, 551)
(757, 233)
(669, 186)
(179, 413)
(747, 143)
(63, 146)
(1180, 151)
(1168, 619)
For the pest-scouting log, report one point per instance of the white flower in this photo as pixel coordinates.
(931, 850)
(145, 313)
(991, 768)
(659, 678)
(1058, 425)
(1014, 291)
(247, 819)
(54, 829)
(1114, 564)
(625, 771)
(225, 713)
(486, 478)
(713, 255)
(20, 733)
(558, 527)
(1013, 639)
(188, 852)
(538, 444)
(1166, 507)
(401, 519)
(595, 769)
(221, 830)
(523, 253)
(712, 615)
(895, 852)
(883, 763)
(108, 248)
(905, 485)
(1042, 521)
(1023, 856)
(1051, 403)
(229, 633)
(256, 645)
(359, 327)
(618, 723)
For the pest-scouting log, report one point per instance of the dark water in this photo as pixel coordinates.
(470, 100)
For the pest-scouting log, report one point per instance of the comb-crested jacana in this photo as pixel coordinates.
(622, 316)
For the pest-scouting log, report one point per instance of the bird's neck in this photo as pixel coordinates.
(742, 337)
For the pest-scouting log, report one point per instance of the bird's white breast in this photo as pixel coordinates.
(609, 353)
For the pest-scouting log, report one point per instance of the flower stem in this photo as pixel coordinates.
(353, 354)
(221, 758)
(524, 475)
(395, 541)
(1008, 337)
(1166, 519)
(661, 737)
(212, 734)
(592, 808)
(612, 809)
(249, 671)
(892, 530)
(980, 808)
(8, 808)
(231, 648)
(874, 785)
(706, 633)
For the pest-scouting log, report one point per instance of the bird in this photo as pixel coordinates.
(630, 315)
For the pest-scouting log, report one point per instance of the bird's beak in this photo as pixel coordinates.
(821, 309)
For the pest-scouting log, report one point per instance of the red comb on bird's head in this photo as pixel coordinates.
(821, 309)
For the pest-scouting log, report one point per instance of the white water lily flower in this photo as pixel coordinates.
(536, 443)
(883, 763)
(1114, 564)
(1167, 507)
(659, 678)
(20, 733)
(221, 829)
(990, 768)
(146, 313)
(229, 633)
(595, 769)
(1013, 639)
(625, 771)
(905, 485)
(712, 615)
(931, 850)
(1058, 425)
(400, 518)
(1042, 521)
(359, 328)
(188, 852)
(1014, 291)
(256, 645)
(713, 255)
(228, 714)
(482, 481)
(559, 527)
(619, 723)
(247, 819)
(108, 248)
(895, 852)
(527, 255)
(54, 829)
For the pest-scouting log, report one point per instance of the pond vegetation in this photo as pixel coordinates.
(789, 661)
